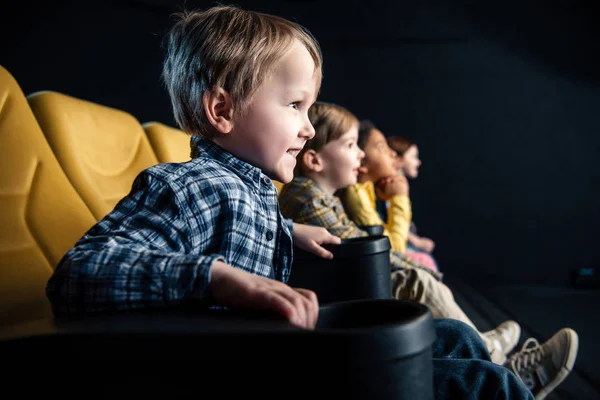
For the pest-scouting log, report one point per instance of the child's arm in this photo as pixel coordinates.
(140, 256)
(360, 202)
(414, 239)
(421, 243)
(333, 218)
(398, 223)
(233, 287)
(310, 238)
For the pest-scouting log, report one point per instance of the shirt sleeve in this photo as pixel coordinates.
(331, 216)
(398, 223)
(359, 200)
(138, 256)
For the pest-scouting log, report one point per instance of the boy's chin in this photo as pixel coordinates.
(281, 176)
(351, 181)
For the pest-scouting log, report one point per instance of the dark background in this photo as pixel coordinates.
(503, 98)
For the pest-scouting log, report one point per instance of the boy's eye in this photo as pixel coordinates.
(294, 105)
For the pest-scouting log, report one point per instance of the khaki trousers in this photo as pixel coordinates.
(420, 286)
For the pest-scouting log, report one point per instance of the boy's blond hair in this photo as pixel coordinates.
(230, 48)
(330, 121)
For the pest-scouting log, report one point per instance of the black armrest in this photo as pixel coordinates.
(374, 349)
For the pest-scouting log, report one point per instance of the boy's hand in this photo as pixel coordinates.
(391, 186)
(310, 238)
(235, 288)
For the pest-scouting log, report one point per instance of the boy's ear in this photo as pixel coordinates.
(312, 161)
(218, 106)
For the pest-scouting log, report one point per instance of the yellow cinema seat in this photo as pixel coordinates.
(278, 185)
(41, 214)
(169, 144)
(101, 149)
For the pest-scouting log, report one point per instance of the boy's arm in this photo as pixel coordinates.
(310, 238)
(236, 288)
(139, 257)
(136, 257)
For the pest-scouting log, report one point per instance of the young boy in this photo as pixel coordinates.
(209, 230)
(331, 161)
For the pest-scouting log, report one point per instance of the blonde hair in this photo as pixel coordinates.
(225, 47)
(331, 122)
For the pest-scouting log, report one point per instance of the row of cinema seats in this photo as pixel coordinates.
(65, 164)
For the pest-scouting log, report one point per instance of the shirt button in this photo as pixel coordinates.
(266, 181)
(269, 235)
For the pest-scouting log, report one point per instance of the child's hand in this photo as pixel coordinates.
(235, 288)
(426, 244)
(310, 238)
(391, 186)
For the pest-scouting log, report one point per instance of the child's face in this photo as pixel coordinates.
(275, 127)
(380, 160)
(410, 162)
(341, 160)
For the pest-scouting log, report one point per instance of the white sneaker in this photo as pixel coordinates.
(502, 340)
(543, 367)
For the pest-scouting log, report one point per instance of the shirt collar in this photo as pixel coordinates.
(250, 174)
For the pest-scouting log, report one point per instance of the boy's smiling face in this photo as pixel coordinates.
(275, 126)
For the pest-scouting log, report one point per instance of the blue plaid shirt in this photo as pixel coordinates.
(157, 247)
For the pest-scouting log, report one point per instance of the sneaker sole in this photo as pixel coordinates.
(564, 371)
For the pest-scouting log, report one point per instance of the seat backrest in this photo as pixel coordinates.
(278, 186)
(101, 149)
(41, 214)
(173, 145)
(169, 144)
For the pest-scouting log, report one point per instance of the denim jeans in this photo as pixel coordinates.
(462, 368)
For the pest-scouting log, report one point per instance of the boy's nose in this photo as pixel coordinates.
(308, 131)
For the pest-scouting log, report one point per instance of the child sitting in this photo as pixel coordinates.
(209, 230)
(331, 161)
(418, 247)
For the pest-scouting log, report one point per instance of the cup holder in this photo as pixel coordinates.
(360, 269)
